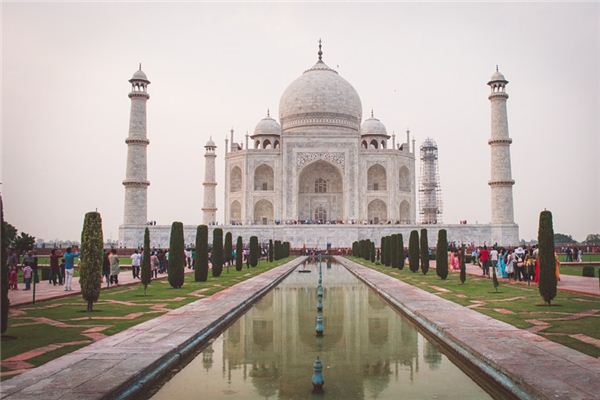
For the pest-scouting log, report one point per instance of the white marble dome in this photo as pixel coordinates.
(320, 97)
(373, 126)
(139, 75)
(267, 126)
(497, 77)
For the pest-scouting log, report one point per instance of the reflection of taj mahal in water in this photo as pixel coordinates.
(321, 174)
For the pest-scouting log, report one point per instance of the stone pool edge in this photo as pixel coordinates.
(143, 367)
(474, 354)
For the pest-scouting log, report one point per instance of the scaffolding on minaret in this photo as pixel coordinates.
(430, 190)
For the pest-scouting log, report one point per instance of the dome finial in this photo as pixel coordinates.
(320, 53)
(371, 113)
(268, 113)
(496, 67)
(140, 66)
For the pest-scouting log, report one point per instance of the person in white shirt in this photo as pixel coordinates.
(494, 258)
(136, 261)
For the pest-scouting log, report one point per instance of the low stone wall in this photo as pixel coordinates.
(311, 236)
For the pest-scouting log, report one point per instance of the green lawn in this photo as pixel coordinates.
(586, 257)
(25, 334)
(524, 302)
(577, 270)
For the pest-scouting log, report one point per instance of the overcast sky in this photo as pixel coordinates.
(65, 108)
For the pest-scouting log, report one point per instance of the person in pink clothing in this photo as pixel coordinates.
(484, 257)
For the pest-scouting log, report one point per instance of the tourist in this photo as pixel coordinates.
(484, 257)
(136, 260)
(510, 265)
(188, 257)
(106, 267)
(62, 276)
(69, 257)
(114, 267)
(27, 271)
(154, 264)
(13, 278)
(557, 267)
(162, 261)
(536, 256)
(519, 267)
(580, 255)
(502, 263)
(54, 267)
(529, 266)
(494, 258)
(13, 259)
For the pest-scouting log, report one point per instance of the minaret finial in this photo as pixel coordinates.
(268, 113)
(496, 67)
(320, 53)
(371, 113)
(140, 66)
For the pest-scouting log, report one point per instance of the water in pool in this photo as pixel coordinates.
(368, 351)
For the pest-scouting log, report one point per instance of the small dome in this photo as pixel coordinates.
(139, 75)
(497, 76)
(373, 126)
(210, 143)
(267, 126)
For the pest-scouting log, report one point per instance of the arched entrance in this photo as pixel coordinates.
(320, 193)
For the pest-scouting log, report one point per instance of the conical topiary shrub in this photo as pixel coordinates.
(228, 250)
(217, 252)
(441, 255)
(547, 285)
(400, 245)
(424, 246)
(413, 251)
(146, 273)
(463, 267)
(239, 254)
(92, 256)
(4, 301)
(394, 250)
(270, 253)
(201, 260)
(254, 250)
(176, 265)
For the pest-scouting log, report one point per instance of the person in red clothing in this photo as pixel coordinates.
(484, 257)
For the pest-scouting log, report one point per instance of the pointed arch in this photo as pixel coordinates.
(235, 213)
(235, 179)
(404, 179)
(264, 178)
(376, 178)
(377, 212)
(404, 212)
(263, 212)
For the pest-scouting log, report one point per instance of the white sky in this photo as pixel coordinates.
(65, 108)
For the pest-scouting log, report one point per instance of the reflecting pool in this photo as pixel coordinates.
(369, 351)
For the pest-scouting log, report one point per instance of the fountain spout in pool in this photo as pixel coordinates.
(317, 378)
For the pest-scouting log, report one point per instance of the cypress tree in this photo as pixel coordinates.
(287, 249)
(146, 268)
(394, 250)
(175, 268)
(278, 250)
(547, 285)
(372, 252)
(387, 260)
(92, 256)
(441, 255)
(239, 254)
(217, 252)
(400, 244)
(270, 250)
(424, 252)
(228, 249)
(4, 302)
(253, 251)
(413, 251)
(201, 260)
(382, 251)
(463, 268)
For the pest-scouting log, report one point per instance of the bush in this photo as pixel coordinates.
(373, 252)
(278, 251)
(393, 251)
(201, 260)
(254, 251)
(588, 271)
(176, 265)
(441, 255)
(228, 249)
(424, 246)
(547, 285)
(382, 250)
(286, 249)
(92, 256)
(270, 250)
(388, 251)
(463, 268)
(413, 251)
(400, 245)
(146, 273)
(239, 254)
(217, 252)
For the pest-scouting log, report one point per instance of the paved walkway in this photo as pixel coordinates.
(46, 291)
(123, 363)
(521, 362)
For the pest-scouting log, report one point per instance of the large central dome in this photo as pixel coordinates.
(320, 97)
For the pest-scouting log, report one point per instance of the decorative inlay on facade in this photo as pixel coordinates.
(304, 158)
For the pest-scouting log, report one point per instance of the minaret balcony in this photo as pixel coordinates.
(139, 94)
(132, 183)
(137, 141)
(508, 182)
(500, 141)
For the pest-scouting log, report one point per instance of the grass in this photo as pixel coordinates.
(25, 334)
(586, 257)
(525, 304)
(577, 270)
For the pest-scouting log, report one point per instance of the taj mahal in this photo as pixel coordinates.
(319, 175)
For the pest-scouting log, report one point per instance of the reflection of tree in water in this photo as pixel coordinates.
(432, 355)
(378, 331)
(207, 357)
(265, 379)
(262, 334)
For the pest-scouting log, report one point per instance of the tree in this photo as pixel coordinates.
(413, 251)
(146, 267)
(424, 252)
(547, 286)
(463, 267)
(176, 265)
(382, 250)
(4, 237)
(277, 250)
(393, 251)
(9, 233)
(373, 252)
(228, 249)
(270, 250)
(239, 254)
(388, 251)
(441, 255)
(400, 245)
(254, 249)
(23, 242)
(201, 260)
(561, 238)
(92, 257)
(217, 252)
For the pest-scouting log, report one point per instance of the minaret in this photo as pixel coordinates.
(136, 180)
(209, 210)
(501, 182)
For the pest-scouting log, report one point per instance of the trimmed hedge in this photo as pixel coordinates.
(254, 251)
(201, 260)
(146, 272)
(547, 285)
(441, 255)
(424, 246)
(413, 251)
(239, 254)
(92, 256)
(588, 271)
(175, 268)
(217, 252)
